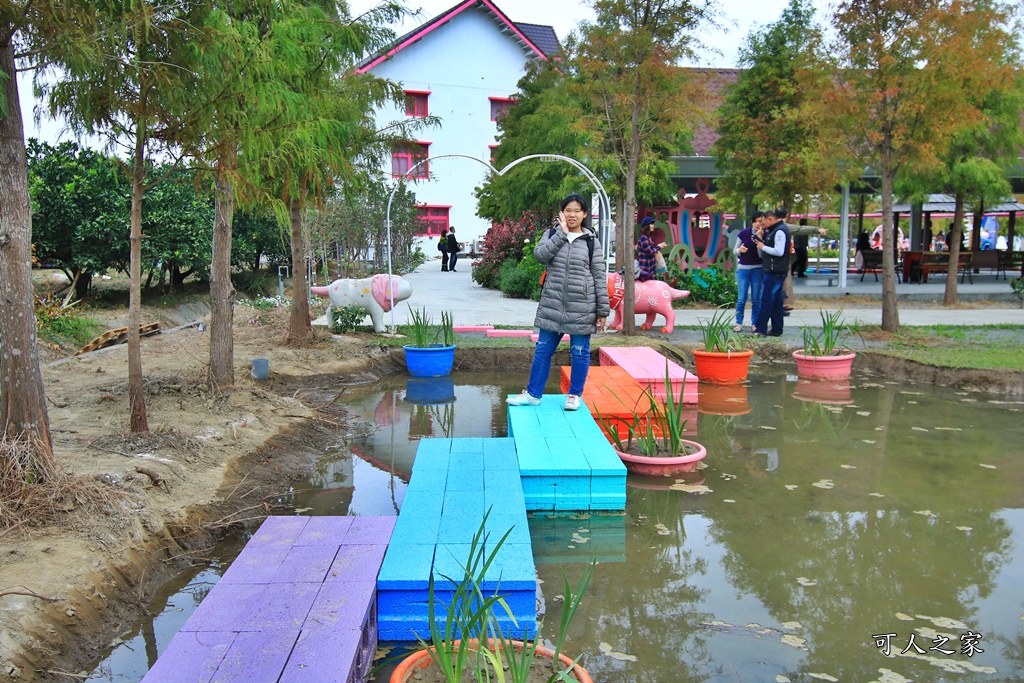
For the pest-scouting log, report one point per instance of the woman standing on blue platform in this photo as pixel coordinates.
(573, 300)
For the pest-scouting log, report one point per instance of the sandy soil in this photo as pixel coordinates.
(223, 456)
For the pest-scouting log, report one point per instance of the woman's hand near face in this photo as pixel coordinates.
(561, 222)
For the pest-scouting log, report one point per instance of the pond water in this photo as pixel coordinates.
(828, 525)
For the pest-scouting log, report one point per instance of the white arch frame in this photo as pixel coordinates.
(604, 210)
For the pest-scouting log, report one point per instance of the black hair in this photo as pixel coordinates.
(803, 221)
(583, 205)
(781, 212)
(757, 214)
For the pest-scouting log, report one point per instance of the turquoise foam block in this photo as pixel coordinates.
(500, 523)
(465, 479)
(458, 529)
(539, 493)
(500, 454)
(467, 505)
(601, 456)
(464, 461)
(427, 481)
(409, 531)
(406, 567)
(506, 496)
(432, 454)
(513, 569)
(567, 458)
(471, 445)
(450, 560)
(421, 508)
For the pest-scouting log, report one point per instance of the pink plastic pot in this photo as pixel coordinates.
(824, 367)
(663, 467)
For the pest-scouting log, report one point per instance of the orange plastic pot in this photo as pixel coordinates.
(421, 660)
(718, 367)
(722, 399)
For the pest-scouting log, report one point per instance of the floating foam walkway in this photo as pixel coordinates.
(298, 605)
(649, 368)
(454, 483)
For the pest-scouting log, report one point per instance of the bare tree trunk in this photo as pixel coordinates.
(620, 232)
(299, 323)
(222, 293)
(22, 397)
(954, 239)
(136, 395)
(890, 310)
(628, 220)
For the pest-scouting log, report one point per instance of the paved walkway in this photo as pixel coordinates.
(471, 304)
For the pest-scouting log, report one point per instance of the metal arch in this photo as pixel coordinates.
(605, 209)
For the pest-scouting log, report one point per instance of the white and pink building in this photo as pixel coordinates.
(462, 66)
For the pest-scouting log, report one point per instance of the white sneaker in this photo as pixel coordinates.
(572, 402)
(523, 399)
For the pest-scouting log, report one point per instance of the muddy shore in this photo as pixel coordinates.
(225, 456)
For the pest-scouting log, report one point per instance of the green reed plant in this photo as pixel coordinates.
(718, 333)
(827, 343)
(658, 432)
(423, 333)
(468, 615)
(447, 329)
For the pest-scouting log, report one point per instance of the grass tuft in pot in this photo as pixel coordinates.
(827, 343)
(718, 333)
(423, 333)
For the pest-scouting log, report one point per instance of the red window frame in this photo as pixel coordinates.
(434, 218)
(405, 155)
(416, 103)
(500, 105)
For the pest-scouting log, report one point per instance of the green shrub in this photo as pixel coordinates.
(346, 319)
(521, 280)
(707, 286)
(255, 284)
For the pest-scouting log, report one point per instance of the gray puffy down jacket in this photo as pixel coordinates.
(575, 292)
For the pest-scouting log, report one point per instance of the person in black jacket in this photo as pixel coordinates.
(773, 244)
(453, 249)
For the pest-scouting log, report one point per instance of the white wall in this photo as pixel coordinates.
(461, 63)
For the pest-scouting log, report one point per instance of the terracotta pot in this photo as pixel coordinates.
(663, 467)
(722, 399)
(824, 367)
(421, 660)
(719, 367)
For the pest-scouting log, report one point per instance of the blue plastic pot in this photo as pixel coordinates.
(435, 361)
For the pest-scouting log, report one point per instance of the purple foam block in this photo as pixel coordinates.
(225, 608)
(341, 606)
(324, 531)
(356, 563)
(306, 564)
(283, 607)
(323, 657)
(370, 531)
(190, 658)
(256, 657)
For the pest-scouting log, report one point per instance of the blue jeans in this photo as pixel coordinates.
(751, 279)
(452, 259)
(547, 342)
(773, 298)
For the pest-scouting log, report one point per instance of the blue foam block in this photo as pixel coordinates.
(429, 481)
(406, 567)
(432, 454)
(465, 479)
(500, 454)
(513, 568)
(468, 445)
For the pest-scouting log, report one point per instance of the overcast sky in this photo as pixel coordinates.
(738, 18)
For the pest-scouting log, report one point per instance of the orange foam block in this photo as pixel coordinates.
(649, 367)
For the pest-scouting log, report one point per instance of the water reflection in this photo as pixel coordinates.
(814, 526)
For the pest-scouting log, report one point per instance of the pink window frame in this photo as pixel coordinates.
(405, 151)
(415, 94)
(430, 221)
(506, 104)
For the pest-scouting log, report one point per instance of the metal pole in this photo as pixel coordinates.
(844, 236)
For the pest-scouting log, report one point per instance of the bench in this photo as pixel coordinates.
(872, 261)
(829, 276)
(938, 262)
(1009, 260)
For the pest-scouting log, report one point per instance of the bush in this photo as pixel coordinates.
(255, 284)
(521, 280)
(346, 319)
(507, 241)
(707, 286)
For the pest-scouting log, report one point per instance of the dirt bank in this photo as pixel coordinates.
(225, 457)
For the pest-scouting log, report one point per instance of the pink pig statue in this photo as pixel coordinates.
(652, 298)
